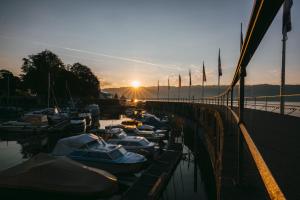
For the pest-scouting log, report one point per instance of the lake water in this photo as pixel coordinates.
(16, 148)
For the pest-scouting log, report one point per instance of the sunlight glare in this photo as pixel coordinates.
(135, 84)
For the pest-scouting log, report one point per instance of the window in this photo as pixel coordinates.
(101, 155)
(144, 142)
(115, 154)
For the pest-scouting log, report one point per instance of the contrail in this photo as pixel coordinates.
(119, 58)
(170, 67)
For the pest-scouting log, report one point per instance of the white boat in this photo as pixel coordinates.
(95, 112)
(93, 151)
(77, 125)
(87, 117)
(150, 135)
(30, 122)
(146, 127)
(132, 143)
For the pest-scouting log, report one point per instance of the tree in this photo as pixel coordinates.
(87, 84)
(8, 83)
(116, 96)
(36, 69)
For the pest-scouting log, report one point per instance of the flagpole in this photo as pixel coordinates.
(190, 83)
(286, 27)
(157, 90)
(168, 89)
(203, 75)
(218, 84)
(242, 39)
(282, 85)
(179, 86)
(219, 71)
(202, 89)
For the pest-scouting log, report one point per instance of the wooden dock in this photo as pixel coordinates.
(155, 178)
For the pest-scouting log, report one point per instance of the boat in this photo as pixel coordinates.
(46, 173)
(57, 120)
(131, 122)
(145, 127)
(112, 126)
(150, 135)
(93, 151)
(152, 120)
(87, 117)
(29, 123)
(129, 112)
(135, 144)
(77, 125)
(95, 112)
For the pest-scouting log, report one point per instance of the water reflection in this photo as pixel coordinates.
(186, 182)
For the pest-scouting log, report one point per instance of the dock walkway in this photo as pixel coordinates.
(155, 178)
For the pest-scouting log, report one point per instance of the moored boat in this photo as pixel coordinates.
(28, 123)
(58, 175)
(133, 143)
(93, 151)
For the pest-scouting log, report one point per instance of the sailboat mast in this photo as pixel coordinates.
(48, 89)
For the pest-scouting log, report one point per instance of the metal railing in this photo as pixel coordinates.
(264, 103)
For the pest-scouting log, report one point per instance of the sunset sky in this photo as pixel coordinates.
(138, 40)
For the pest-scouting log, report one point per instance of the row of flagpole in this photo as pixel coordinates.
(286, 27)
(190, 80)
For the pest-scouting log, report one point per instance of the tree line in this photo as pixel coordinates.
(75, 80)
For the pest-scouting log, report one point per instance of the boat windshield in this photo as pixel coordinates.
(95, 144)
(122, 135)
(144, 142)
(117, 153)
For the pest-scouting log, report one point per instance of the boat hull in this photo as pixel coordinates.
(115, 168)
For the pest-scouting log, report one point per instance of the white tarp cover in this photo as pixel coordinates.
(65, 146)
(58, 174)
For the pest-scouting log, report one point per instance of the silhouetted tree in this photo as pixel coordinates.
(116, 96)
(36, 69)
(8, 83)
(77, 78)
(87, 84)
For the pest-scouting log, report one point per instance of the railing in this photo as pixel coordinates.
(264, 103)
(263, 13)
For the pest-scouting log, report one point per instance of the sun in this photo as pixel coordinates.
(135, 84)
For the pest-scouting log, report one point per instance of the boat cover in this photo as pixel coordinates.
(58, 174)
(67, 145)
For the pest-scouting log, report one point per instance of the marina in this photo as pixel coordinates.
(150, 182)
(154, 100)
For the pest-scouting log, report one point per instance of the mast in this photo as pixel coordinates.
(48, 89)
(8, 92)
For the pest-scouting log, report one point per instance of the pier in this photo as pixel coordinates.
(151, 184)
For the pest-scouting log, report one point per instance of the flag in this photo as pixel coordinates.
(203, 73)
(190, 76)
(286, 17)
(219, 65)
(242, 40)
(179, 82)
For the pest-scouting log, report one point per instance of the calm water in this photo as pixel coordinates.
(16, 148)
(186, 182)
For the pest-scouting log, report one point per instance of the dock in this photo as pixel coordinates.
(156, 177)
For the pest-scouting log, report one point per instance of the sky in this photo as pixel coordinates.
(127, 40)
